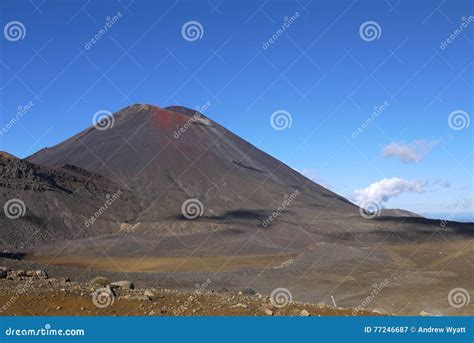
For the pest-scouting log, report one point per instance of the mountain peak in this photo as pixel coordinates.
(183, 110)
(6, 156)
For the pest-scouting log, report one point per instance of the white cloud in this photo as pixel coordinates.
(409, 152)
(381, 191)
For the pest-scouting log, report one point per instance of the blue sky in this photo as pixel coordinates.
(326, 72)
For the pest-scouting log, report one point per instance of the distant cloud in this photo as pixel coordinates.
(381, 191)
(440, 183)
(409, 152)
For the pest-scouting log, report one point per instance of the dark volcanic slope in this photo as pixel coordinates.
(145, 151)
(55, 202)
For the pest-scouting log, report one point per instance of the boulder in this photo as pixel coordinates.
(41, 273)
(122, 284)
(304, 313)
(248, 291)
(3, 272)
(268, 312)
(426, 314)
(99, 282)
(149, 293)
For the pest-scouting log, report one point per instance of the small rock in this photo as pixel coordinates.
(239, 305)
(268, 305)
(30, 273)
(3, 272)
(304, 313)
(83, 308)
(122, 284)
(268, 312)
(99, 282)
(41, 274)
(151, 313)
(20, 273)
(58, 307)
(248, 291)
(426, 314)
(149, 293)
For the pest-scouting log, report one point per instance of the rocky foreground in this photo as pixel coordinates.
(33, 293)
